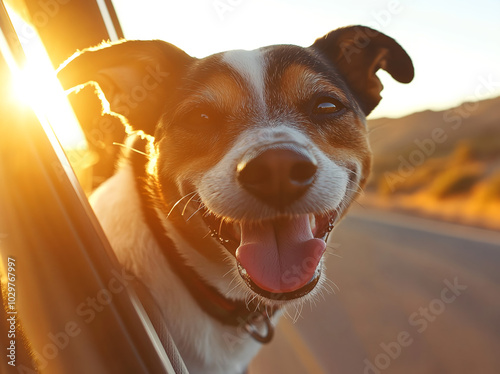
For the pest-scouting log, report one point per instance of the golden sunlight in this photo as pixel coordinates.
(36, 84)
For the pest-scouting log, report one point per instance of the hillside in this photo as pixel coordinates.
(445, 164)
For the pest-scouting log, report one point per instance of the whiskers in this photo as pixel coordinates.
(186, 205)
(353, 185)
(201, 207)
(353, 189)
(131, 148)
(191, 196)
(330, 253)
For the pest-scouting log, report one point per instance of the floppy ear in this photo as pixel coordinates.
(357, 52)
(136, 77)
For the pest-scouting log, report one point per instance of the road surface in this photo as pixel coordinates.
(415, 296)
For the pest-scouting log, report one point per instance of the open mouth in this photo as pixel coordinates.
(279, 259)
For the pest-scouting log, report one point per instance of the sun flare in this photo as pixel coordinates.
(36, 84)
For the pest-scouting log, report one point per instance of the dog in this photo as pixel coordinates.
(246, 161)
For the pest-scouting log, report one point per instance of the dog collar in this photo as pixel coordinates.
(246, 316)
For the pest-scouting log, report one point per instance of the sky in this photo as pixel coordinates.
(454, 45)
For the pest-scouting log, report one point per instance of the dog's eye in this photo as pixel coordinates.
(197, 118)
(327, 105)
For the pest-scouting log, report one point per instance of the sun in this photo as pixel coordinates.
(36, 84)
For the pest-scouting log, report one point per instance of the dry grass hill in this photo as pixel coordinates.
(445, 164)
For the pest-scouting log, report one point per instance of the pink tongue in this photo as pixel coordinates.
(280, 256)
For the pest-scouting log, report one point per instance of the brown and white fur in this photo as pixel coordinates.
(265, 149)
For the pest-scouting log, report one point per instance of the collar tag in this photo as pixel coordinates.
(252, 329)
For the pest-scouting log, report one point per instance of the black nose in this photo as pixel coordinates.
(278, 176)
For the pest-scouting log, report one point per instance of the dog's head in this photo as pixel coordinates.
(266, 149)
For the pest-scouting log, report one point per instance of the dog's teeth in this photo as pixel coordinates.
(331, 223)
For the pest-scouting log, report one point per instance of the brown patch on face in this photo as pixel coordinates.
(192, 144)
(344, 138)
(225, 92)
(220, 92)
(299, 83)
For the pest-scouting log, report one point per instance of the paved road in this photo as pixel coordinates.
(415, 296)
